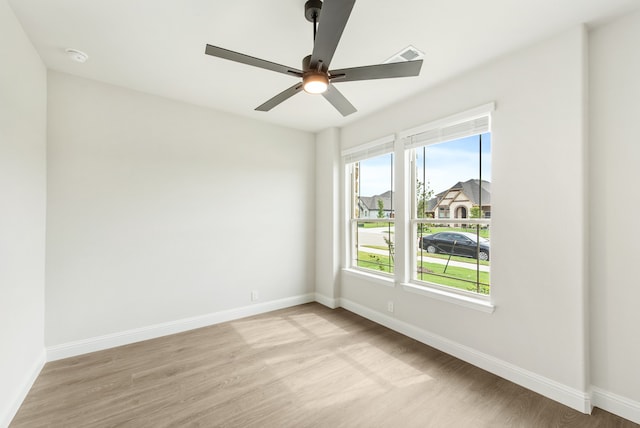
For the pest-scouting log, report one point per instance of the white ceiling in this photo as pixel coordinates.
(157, 46)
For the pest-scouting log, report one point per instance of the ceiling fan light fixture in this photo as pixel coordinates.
(315, 82)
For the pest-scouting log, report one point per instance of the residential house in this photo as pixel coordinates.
(459, 200)
(369, 206)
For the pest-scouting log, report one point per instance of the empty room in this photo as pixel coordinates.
(338, 213)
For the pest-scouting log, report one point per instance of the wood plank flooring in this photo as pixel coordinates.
(306, 366)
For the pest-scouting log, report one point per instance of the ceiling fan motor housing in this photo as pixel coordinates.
(313, 81)
(312, 10)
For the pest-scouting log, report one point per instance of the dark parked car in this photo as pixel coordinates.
(456, 243)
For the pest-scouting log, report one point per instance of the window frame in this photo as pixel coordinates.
(380, 147)
(472, 122)
(405, 221)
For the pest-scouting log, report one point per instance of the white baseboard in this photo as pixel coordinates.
(616, 404)
(100, 343)
(327, 301)
(556, 391)
(10, 411)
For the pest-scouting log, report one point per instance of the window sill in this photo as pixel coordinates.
(457, 299)
(376, 279)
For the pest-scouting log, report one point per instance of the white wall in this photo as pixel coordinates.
(537, 333)
(614, 176)
(328, 216)
(23, 102)
(160, 211)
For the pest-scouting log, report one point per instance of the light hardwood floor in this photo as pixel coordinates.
(306, 366)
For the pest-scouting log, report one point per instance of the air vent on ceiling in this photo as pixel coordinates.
(410, 53)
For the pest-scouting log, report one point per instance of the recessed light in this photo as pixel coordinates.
(77, 55)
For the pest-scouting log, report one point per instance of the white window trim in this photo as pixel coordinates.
(426, 288)
(381, 278)
(465, 116)
(438, 293)
(378, 147)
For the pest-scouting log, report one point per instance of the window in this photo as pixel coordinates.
(442, 240)
(452, 253)
(450, 172)
(443, 212)
(372, 210)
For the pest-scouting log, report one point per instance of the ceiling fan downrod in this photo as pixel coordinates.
(312, 13)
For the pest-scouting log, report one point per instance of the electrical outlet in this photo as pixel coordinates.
(255, 295)
(390, 306)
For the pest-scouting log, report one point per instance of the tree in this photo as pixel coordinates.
(391, 246)
(476, 212)
(380, 208)
(423, 194)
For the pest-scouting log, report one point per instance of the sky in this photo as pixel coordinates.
(446, 164)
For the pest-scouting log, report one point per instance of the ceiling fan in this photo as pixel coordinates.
(328, 26)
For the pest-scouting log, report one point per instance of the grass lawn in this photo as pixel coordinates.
(376, 224)
(376, 262)
(437, 256)
(462, 278)
(454, 258)
(458, 277)
(485, 233)
(376, 247)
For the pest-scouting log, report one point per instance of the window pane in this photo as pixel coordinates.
(455, 256)
(453, 182)
(375, 246)
(448, 179)
(374, 188)
(373, 206)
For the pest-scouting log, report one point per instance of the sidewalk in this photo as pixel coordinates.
(426, 258)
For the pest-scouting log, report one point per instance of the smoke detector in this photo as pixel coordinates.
(76, 55)
(410, 53)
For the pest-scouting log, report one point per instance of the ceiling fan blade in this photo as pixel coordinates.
(333, 18)
(339, 101)
(282, 96)
(249, 60)
(380, 71)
